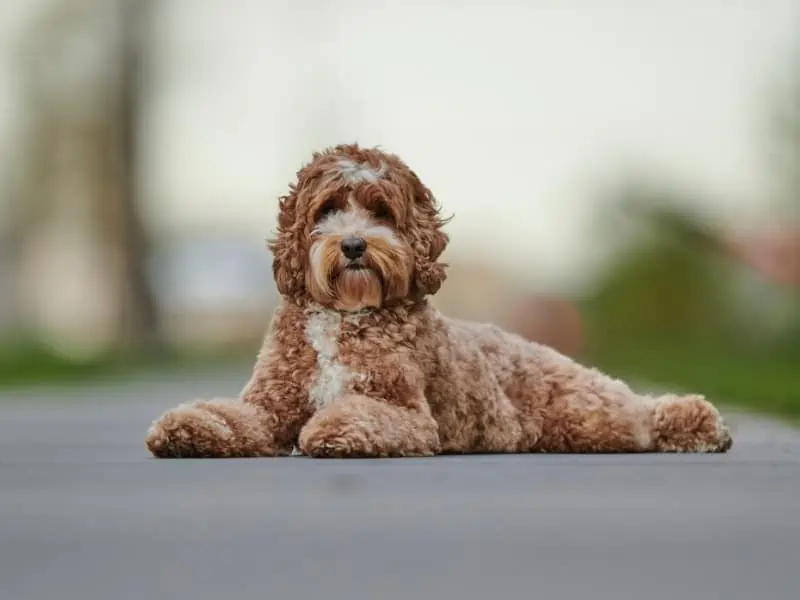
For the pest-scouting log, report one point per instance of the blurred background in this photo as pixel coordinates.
(625, 176)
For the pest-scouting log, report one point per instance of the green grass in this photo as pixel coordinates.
(31, 364)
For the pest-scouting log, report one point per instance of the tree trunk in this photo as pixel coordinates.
(139, 327)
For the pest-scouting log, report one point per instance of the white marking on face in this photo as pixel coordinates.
(354, 221)
(316, 255)
(322, 331)
(354, 172)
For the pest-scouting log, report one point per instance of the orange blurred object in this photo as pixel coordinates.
(774, 254)
(553, 321)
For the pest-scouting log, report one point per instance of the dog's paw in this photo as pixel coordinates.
(188, 431)
(335, 448)
(335, 440)
(359, 427)
(690, 424)
(724, 437)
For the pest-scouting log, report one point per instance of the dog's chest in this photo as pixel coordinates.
(332, 378)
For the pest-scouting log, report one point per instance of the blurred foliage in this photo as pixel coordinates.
(29, 363)
(668, 313)
(676, 310)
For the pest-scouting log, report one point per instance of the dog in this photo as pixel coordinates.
(357, 362)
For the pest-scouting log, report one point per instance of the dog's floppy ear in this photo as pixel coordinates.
(286, 256)
(429, 274)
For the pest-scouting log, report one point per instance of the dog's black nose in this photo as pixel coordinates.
(353, 247)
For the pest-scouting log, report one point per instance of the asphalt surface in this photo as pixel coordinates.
(86, 514)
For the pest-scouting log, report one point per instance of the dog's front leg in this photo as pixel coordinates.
(218, 428)
(264, 421)
(358, 426)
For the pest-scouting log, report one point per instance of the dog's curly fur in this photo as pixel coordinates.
(358, 363)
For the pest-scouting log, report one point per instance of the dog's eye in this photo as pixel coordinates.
(325, 210)
(381, 212)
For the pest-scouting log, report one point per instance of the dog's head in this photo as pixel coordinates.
(358, 230)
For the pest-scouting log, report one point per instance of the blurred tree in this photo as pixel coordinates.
(81, 66)
(689, 305)
(665, 284)
(139, 325)
(675, 281)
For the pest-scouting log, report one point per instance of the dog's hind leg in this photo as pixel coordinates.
(688, 424)
(604, 415)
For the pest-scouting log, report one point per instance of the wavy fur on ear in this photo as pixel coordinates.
(285, 247)
(430, 241)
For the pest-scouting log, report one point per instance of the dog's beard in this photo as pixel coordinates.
(356, 289)
(380, 276)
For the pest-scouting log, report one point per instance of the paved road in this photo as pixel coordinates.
(85, 514)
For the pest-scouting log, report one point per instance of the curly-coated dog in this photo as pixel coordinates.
(358, 363)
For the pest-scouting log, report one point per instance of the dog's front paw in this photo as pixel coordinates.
(360, 427)
(333, 448)
(188, 431)
(333, 438)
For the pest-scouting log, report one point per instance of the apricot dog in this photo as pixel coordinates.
(358, 363)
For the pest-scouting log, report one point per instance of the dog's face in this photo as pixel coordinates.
(358, 230)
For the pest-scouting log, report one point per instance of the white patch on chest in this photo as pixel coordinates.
(322, 331)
